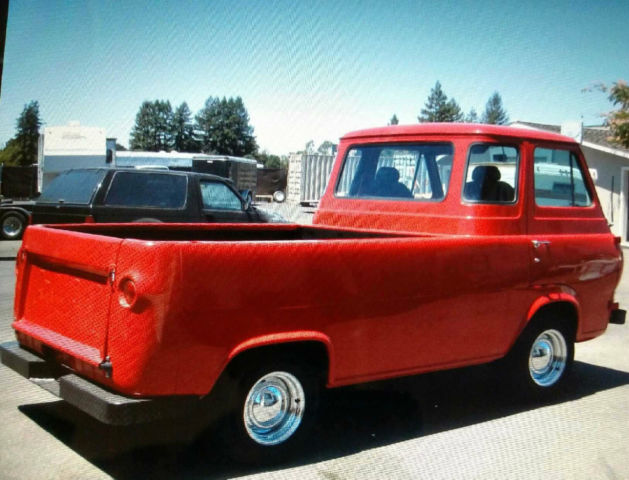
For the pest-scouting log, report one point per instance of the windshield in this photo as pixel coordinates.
(73, 186)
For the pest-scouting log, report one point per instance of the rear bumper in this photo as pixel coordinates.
(617, 316)
(106, 406)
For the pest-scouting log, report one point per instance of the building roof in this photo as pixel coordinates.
(435, 129)
(594, 137)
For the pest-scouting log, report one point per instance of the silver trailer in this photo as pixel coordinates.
(308, 177)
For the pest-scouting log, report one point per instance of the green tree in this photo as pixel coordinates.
(394, 120)
(326, 148)
(439, 109)
(223, 126)
(183, 130)
(153, 127)
(268, 160)
(618, 120)
(309, 148)
(9, 154)
(494, 113)
(472, 117)
(27, 135)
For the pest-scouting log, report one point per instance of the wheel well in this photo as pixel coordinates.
(564, 312)
(311, 353)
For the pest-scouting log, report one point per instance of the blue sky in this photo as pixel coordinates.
(309, 70)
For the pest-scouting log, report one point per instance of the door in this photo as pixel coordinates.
(572, 249)
(221, 204)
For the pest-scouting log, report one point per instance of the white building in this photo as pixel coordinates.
(609, 166)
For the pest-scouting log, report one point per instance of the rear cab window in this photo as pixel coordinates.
(141, 189)
(73, 186)
(412, 172)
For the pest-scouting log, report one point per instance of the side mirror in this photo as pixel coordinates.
(247, 197)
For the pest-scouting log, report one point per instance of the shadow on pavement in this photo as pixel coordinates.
(352, 419)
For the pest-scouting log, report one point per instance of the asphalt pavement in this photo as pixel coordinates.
(447, 425)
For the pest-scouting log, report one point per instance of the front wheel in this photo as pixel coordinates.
(542, 358)
(273, 409)
(12, 226)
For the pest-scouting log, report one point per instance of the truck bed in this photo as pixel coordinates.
(226, 232)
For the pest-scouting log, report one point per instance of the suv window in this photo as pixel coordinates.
(492, 174)
(218, 196)
(73, 186)
(404, 171)
(140, 189)
(559, 179)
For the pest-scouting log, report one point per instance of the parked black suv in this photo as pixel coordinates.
(134, 195)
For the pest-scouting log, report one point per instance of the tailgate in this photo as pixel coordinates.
(63, 290)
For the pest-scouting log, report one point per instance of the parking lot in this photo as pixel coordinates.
(456, 424)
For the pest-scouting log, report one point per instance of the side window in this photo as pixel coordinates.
(218, 196)
(559, 179)
(158, 190)
(492, 174)
(418, 172)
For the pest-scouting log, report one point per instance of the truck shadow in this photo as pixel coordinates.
(352, 419)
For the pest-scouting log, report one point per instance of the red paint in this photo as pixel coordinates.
(445, 284)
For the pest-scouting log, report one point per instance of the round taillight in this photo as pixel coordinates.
(128, 293)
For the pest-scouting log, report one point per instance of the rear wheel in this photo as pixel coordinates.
(12, 225)
(542, 358)
(273, 408)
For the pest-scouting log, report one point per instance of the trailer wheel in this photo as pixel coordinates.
(273, 407)
(279, 196)
(12, 226)
(542, 358)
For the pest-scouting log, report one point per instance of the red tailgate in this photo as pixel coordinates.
(63, 291)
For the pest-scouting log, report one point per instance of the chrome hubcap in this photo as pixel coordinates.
(11, 226)
(274, 408)
(547, 359)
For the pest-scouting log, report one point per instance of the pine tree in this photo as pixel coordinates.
(394, 120)
(223, 127)
(153, 127)
(183, 130)
(472, 117)
(494, 113)
(27, 135)
(439, 109)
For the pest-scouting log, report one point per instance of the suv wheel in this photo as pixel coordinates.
(12, 225)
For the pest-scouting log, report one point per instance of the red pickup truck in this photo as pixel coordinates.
(435, 246)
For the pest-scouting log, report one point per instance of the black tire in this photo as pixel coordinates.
(12, 226)
(250, 386)
(541, 360)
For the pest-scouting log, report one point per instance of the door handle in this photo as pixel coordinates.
(539, 243)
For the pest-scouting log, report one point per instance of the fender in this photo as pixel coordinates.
(14, 208)
(551, 294)
(286, 337)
